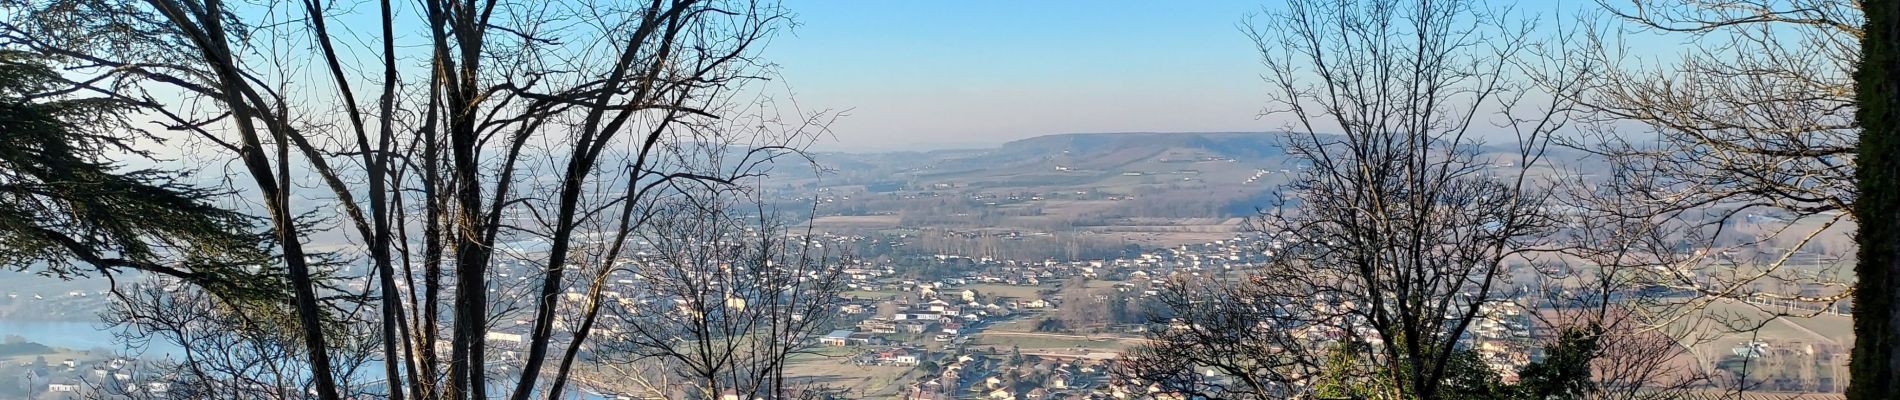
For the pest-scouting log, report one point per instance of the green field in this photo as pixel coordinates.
(823, 354)
(1020, 323)
(1830, 329)
(1805, 350)
(867, 381)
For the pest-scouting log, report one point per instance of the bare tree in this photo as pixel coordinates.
(227, 350)
(1209, 324)
(204, 35)
(1603, 277)
(1402, 218)
(1740, 152)
(1399, 232)
(1731, 166)
(729, 296)
(493, 123)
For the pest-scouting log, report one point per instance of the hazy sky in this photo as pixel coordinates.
(936, 74)
(932, 74)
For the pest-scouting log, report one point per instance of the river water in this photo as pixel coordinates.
(76, 335)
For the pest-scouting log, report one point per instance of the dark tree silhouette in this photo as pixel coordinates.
(65, 204)
(1876, 363)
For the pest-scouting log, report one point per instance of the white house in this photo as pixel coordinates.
(62, 385)
(494, 336)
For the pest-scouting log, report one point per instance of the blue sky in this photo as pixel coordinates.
(937, 74)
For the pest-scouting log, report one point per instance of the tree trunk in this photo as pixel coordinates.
(1875, 365)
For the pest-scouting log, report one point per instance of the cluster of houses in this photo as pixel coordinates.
(1010, 377)
(898, 331)
(928, 323)
(948, 310)
(1502, 337)
(115, 377)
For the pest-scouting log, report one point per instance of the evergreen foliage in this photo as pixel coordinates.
(68, 209)
(1875, 364)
